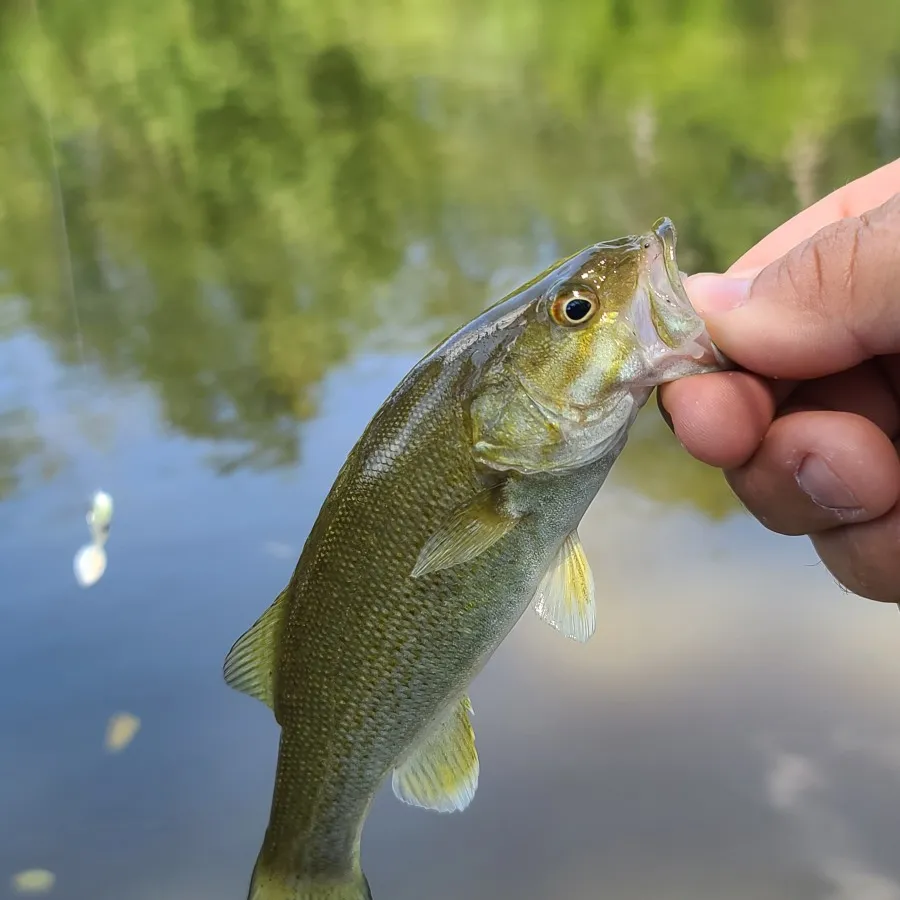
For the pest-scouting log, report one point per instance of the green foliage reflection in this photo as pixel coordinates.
(255, 190)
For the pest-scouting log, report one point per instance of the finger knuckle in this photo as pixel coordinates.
(828, 277)
(764, 501)
(833, 261)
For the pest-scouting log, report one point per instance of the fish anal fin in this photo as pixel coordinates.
(442, 772)
(250, 664)
(565, 598)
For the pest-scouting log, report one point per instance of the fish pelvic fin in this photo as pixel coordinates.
(269, 884)
(565, 597)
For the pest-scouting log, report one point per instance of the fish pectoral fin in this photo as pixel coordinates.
(565, 598)
(471, 529)
(250, 664)
(442, 772)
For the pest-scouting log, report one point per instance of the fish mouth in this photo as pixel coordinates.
(678, 330)
(664, 229)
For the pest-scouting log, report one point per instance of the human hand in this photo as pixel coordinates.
(808, 435)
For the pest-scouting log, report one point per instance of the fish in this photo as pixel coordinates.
(457, 510)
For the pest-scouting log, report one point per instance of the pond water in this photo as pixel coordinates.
(271, 210)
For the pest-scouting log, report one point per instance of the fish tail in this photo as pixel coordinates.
(267, 884)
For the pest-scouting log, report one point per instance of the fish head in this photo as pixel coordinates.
(589, 340)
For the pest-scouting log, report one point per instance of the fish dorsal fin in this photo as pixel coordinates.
(250, 664)
(471, 529)
(442, 772)
(565, 598)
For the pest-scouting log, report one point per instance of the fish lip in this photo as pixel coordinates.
(701, 346)
(664, 229)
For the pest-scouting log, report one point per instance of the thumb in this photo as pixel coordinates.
(828, 304)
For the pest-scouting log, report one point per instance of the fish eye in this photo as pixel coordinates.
(573, 306)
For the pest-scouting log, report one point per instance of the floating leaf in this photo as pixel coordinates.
(120, 731)
(33, 881)
(89, 564)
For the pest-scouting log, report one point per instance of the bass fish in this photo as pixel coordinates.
(456, 510)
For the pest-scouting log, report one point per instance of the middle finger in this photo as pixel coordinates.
(817, 470)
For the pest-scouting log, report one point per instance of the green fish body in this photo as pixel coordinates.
(456, 510)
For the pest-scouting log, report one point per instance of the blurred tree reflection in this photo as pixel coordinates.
(253, 191)
(656, 465)
(23, 452)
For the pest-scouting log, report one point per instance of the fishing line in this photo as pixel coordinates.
(89, 563)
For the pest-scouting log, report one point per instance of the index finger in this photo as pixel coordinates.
(852, 199)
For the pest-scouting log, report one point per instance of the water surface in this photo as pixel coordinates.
(272, 210)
